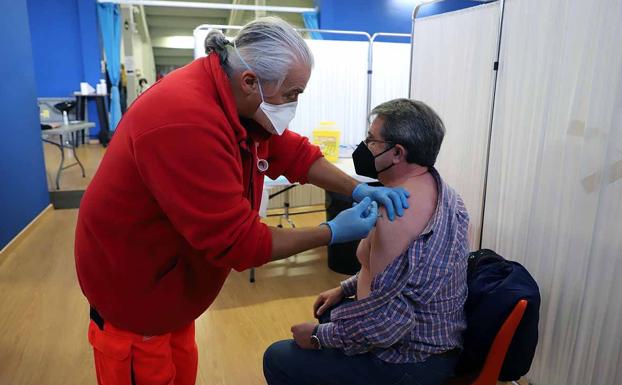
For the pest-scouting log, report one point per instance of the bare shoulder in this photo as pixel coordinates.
(391, 238)
(422, 205)
(422, 201)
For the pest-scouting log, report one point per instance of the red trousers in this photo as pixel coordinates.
(126, 358)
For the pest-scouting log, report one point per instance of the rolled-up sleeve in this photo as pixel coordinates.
(349, 286)
(363, 331)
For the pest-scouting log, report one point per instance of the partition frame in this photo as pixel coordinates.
(370, 40)
(370, 61)
(365, 35)
(493, 91)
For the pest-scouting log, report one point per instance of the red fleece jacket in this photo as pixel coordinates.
(173, 205)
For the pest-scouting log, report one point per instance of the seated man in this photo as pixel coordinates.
(405, 324)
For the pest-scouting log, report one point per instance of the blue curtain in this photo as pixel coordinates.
(311, 22)
(109, 16)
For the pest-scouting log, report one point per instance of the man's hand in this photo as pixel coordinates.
(302, 335)
(393, 199)
(327, 299)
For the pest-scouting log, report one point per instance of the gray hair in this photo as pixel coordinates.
(269, 45)
(414, 125)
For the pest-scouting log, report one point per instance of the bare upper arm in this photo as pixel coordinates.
(390, 239)
(363, 251)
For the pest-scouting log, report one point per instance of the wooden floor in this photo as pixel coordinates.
(44, 317)
(71, 179)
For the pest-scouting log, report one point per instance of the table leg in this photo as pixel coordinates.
(62, 162)
(286, 211)
(73, 149)
(104, 131)
(80, 107)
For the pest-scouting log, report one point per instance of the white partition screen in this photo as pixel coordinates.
(199, 42)
(336, 92)
(452, 72)
(554, 198)
(391, 70)
(337, 89)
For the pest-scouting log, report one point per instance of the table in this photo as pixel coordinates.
(67, 139)
(102, 112)
(344, 164)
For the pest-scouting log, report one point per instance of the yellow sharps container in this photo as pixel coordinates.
(326, 136)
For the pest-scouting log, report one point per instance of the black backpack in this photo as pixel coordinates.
(495, 286)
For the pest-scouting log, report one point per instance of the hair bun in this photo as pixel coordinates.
(216, 41)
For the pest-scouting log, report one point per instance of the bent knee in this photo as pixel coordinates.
(278, 352)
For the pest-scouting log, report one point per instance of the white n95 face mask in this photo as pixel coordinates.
(279, 115)
(275, 118)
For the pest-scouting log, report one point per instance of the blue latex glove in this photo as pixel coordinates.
(393, 199)
(354, 223)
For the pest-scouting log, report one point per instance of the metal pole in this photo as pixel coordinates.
(357, 33)
(193, 4)
(388, 34)
(370, 61)
(492, 116)
(222, 26)
(218, 26)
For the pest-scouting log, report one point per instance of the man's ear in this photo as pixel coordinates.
(248, 81)
(399, 152)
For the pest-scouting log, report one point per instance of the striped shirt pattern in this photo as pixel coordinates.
(416, 305)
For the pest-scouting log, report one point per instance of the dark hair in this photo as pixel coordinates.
(215, 41)
(414, 125)
(142, 81)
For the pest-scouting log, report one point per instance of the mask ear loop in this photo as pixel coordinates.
(387, 150)
(250, 69)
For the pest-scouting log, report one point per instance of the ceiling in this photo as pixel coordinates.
(170, 28)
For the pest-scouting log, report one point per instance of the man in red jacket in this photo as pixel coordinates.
(174, 204)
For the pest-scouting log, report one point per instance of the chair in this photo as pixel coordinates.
(489, 374)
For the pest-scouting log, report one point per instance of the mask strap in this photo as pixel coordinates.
(386, 168)
(249, 68)
(392, 164)
(388, 149)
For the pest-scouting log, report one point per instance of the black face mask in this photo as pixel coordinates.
(365, 161)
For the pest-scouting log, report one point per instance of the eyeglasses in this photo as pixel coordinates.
(367, 141)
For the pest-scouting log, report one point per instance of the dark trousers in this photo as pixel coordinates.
(286, 364)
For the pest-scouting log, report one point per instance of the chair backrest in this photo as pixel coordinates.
(496, 355)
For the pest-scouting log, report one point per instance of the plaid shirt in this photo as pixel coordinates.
(416, 305)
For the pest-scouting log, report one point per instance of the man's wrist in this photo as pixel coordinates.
(315, 341)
